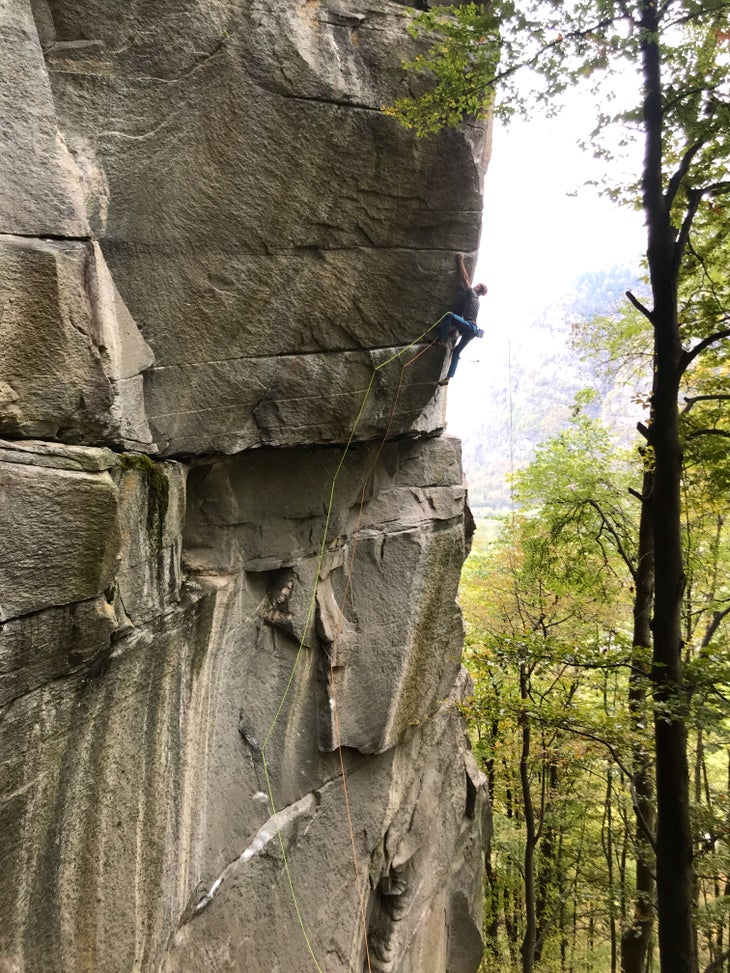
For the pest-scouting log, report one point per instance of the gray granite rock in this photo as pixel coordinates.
(412, 840)
(165, 714)
(59, 537)
(70, 354)
(231, 406)
(44, 645)
(41, 187)
(221, 671)
(57, 456)
(265, 223)
(152, 517)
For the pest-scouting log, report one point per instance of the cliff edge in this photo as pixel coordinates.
(231, 527)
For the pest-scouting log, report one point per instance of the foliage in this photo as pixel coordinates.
(704, 310)
(680, 109)
(462, 45)
(550, 596)
(545, 650)
(521, 57)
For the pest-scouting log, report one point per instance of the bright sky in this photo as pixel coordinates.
(537, 237)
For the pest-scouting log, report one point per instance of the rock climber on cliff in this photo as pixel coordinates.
(465, 323)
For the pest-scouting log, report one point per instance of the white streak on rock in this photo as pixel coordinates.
(277, 823)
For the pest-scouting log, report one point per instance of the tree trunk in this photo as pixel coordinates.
(563, 915)
(548, 874)
(491, 929)
(636, 938)
(607, 834)
(530, 937)
(673, 839)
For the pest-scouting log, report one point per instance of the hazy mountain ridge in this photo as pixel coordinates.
(533, 391)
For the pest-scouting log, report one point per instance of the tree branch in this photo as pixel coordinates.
(700, 258)
(718, 188)
(690, 400)
(713, 625)
(626, 12)
(640, 307)
(640, 816)
(682, 170)
(717, 963)
(616, 538)
(689, 356)
(531, 62)
(620, 764)
(689, 93)
(692, 15)
(586, 735)
(694, 197)
(723, 433)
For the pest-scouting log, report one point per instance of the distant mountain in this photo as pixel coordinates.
(533, 392)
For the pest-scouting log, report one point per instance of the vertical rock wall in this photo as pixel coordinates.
(230, 528)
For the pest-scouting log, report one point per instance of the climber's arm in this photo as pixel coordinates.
(465, 279)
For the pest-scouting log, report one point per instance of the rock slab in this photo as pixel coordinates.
(231, 527)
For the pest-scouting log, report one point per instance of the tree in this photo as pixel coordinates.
(545, 643)
(548, 663)
(682, 115)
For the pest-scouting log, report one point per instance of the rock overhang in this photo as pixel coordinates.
(254, 205)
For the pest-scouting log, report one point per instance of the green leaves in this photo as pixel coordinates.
(520, 57)
(548, 640)
(460, 57)
(548, 606)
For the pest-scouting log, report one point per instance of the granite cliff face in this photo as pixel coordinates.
(231, 529)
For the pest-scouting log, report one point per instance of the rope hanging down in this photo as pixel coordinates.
(307, 624)
(335, 709)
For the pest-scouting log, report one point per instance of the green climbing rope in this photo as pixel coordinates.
(308, 621)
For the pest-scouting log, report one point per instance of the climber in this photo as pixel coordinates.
(465, 323)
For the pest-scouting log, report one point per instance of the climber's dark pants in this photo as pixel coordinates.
(467, 330)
